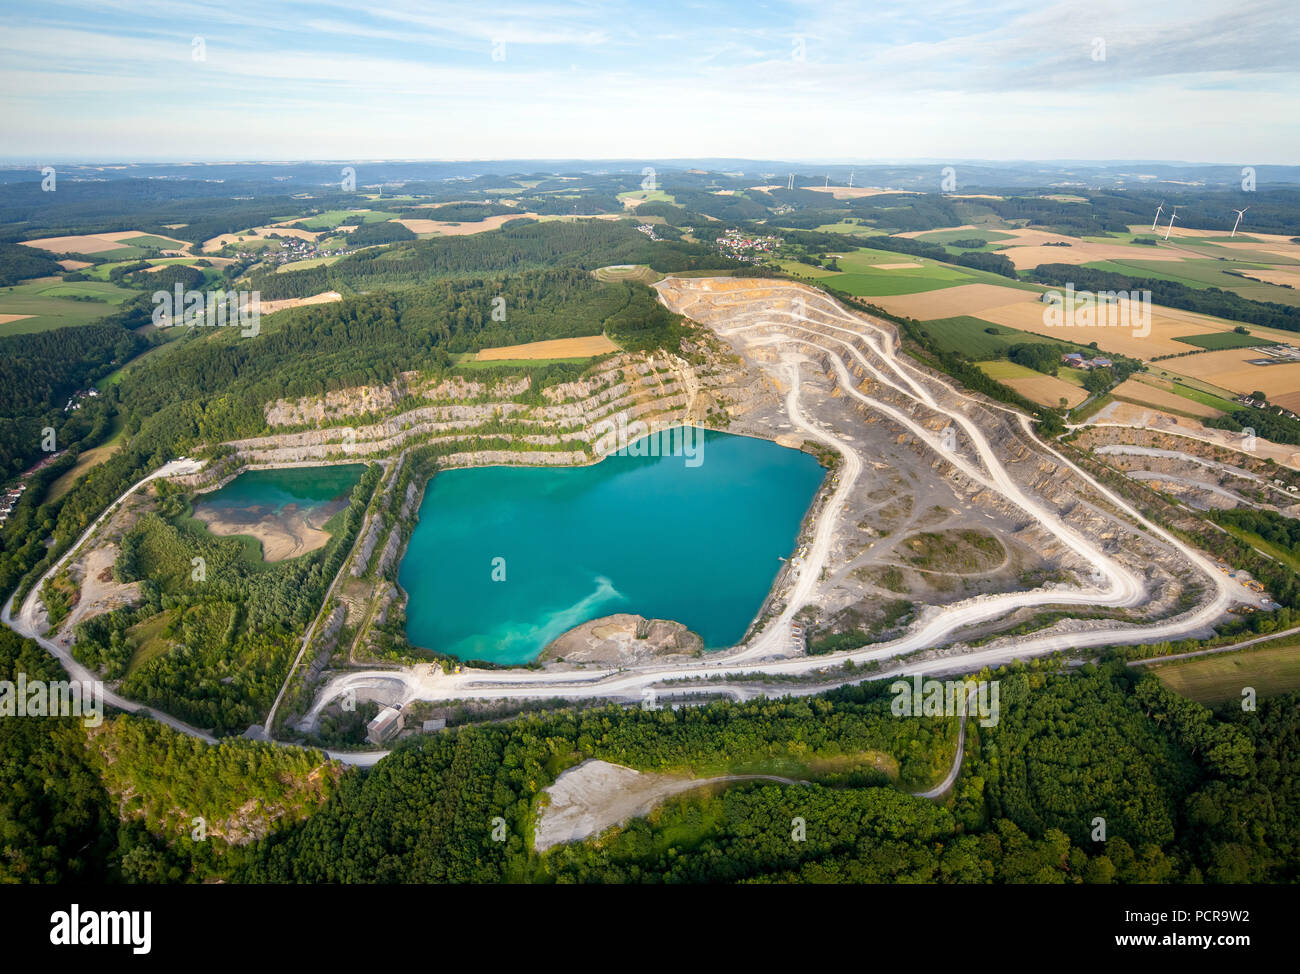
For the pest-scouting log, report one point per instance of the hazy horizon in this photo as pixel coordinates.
(1204, 80)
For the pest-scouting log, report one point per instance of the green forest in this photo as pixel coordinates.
(1188, 794)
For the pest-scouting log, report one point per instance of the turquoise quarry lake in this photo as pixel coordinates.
(271, 491)
(651, 535)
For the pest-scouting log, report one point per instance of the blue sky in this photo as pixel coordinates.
(282, 79)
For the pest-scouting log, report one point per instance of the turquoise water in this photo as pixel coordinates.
(653, 536)
(269, 492)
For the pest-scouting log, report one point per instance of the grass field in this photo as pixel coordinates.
(90, 458)
(1187, 392)
(148, 639)
(1220, 679)
(867, 272)
(850, 225)
(646, 196)
(298, 265)
(158, 243)
(1224, 339)
(1288, 558)
(1147, 393)
(335, 218)
(971, 336)
(48, 302)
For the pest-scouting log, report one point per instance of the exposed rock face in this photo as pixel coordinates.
(564, 428)
(367, 548)
(409, 501)
(390, 551)
(623, 639)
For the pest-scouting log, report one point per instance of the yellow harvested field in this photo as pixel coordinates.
(73, 265)
(89, 243)
(5, 319)
(965, 299)
(1167, 324)
(913, 234)
(552, 348)
(1147, 393)
(846, 192)
(1231, 369)
(1081, 252)
(1047, 390)
(1272, 243)
(893, 267)
(325, 297)
(262, 233)
(1275, 275)
(440, 228)
(1288, 400)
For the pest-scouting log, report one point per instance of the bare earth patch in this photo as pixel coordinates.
(325, 297)
(100, 592)
(552, 348)
(442, 228)
(595, 795)
(289, 534)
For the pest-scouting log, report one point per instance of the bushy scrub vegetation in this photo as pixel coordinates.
(236, 622)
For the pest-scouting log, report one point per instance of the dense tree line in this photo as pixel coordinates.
(18, 263)
(369, 234)
(40, 371)
(1277, 529)
(1265, 422)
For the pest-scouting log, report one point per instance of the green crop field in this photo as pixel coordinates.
(971, 337)
(1218, 341)
(1220, 678)
(852, 226)
(334, 218)
(150, 240)
(50, 303)
(1000, 369)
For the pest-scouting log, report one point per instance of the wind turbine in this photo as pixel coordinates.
(1172, 217)
(1241, 212)
(1157, 219)
(851, 178)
